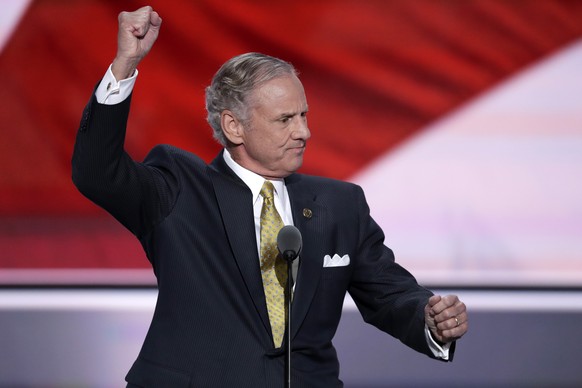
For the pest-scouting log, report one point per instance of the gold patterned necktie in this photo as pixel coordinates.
(273, 268)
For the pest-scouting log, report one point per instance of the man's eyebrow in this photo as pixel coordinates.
(291, 114)
(284, 115)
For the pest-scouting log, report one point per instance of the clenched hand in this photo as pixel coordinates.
(137, 33)
(446, 318)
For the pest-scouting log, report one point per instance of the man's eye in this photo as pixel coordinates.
(285, 119)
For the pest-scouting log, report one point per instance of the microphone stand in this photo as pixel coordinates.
(289, 244)
(289, 255)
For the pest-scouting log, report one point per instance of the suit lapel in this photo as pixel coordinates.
(310, 218)
(235, 203)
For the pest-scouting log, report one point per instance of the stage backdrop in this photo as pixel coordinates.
(462, 120)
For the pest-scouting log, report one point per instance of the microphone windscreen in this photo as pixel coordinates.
(289, 240)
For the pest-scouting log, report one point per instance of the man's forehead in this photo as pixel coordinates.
(280, 91)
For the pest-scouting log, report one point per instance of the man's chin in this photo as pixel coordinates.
(297, 164)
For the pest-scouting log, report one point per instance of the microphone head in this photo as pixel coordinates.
(289, 242)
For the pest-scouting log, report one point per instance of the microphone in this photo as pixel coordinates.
(289, 242)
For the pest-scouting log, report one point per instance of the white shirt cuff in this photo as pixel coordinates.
(111, 92)
(439, 351)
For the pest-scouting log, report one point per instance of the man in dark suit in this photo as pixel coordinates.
(217, 318)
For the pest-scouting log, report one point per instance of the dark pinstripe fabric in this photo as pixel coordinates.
(195, 222)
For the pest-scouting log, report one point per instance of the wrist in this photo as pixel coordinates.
(123, 68)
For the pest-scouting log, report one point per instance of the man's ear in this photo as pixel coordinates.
(231, 127)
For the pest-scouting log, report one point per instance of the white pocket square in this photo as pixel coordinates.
(336, 260)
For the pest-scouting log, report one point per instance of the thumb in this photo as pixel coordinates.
(155, 20)
(433, 300)
(152, 29)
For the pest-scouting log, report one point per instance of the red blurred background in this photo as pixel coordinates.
(375, 73)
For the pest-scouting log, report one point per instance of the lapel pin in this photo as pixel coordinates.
(307, 213)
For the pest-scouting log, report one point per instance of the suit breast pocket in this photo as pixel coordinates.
(334, 282)
(329, 299)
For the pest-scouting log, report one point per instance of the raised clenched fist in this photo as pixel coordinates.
(137, 33)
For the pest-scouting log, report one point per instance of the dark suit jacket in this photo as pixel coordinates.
(195, 222)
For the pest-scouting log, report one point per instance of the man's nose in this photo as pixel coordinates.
(302, 131)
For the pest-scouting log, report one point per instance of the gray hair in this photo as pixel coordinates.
(233, 83)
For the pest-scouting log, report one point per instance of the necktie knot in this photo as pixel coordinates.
(267, 191)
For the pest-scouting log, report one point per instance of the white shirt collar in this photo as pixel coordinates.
(252, 180)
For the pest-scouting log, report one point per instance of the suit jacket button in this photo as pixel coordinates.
(307, 213)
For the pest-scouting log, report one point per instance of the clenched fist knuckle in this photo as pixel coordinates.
(446, 315)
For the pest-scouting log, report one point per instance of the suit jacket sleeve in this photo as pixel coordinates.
(138, 195)
(386, 294)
